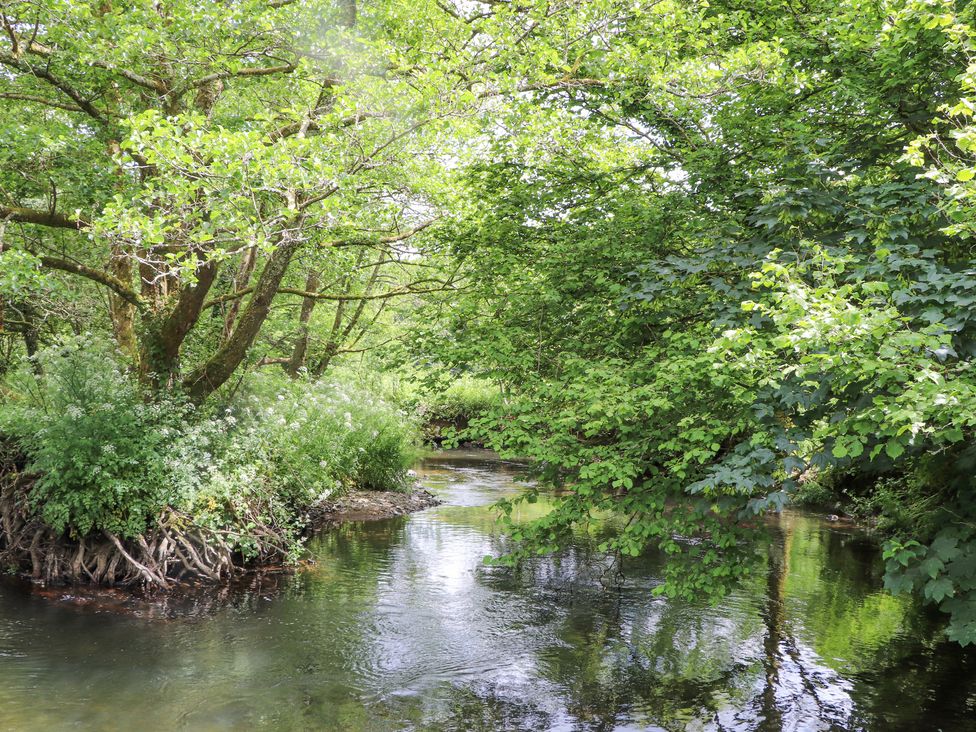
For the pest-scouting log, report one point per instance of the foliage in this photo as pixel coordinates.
(213, 163)
(104, 457)
(107, 460)
(754, 282)
(321, 438)
(445, 405)
(464, 398)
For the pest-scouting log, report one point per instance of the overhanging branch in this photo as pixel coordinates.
(41, 100)
(95, 275)
(410, 289)
(41, 218)
(43, 73)
(247, 71)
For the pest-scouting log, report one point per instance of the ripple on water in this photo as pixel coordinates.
(399, 625)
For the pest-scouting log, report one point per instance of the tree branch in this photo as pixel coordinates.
(310, 125)
(231, 296)
(95, 275)
(399, 292)
(41, 100)
(137, 79)
(391, 239)
(41, 218)
(43, 73)
(210, 375)
(251, 71)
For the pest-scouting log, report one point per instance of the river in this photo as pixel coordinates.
(399, 625)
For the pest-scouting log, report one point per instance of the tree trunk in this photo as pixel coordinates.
(122, 313)
(240, 282)
(297, 360)
(211, 375)
(163, 333)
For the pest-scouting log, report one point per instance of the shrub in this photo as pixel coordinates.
(446, 406)
(465, 398)
(320, 438)
(108, 460)
(102, 454)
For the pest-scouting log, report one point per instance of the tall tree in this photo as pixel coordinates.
(721, 276)
(167, 150)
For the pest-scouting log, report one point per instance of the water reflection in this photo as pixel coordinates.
(399, 625)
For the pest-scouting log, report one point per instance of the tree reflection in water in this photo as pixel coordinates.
(399, 625)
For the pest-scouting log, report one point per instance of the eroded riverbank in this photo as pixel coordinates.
(372, 506)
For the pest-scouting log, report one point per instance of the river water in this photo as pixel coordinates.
(399, 625)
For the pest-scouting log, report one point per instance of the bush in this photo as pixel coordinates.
(320, 438)
(815, 494)
(108, 460)
(103, 455)
(446, 406)
(464, 399)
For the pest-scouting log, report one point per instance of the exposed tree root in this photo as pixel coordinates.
(174, 549)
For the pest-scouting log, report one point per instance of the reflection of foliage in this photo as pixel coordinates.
(486, 709)
(839, 612)
(559, 649)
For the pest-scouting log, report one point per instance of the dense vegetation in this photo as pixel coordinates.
(695, 259)
(187, 490)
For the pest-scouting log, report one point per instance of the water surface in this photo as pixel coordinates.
(398, 625)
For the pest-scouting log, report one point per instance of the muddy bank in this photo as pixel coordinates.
(372, 505)
(188, 599)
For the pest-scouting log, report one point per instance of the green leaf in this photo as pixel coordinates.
(945, 547)
(894, 449)
(932, 566)
(939, 589)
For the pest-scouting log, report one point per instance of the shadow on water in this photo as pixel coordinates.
(398, 624)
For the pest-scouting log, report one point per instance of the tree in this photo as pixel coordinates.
(175, 154)
(722, 277)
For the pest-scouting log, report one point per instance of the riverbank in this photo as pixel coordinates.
(196, 597)
(360, 505)
(99, 486)
(355, 505)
